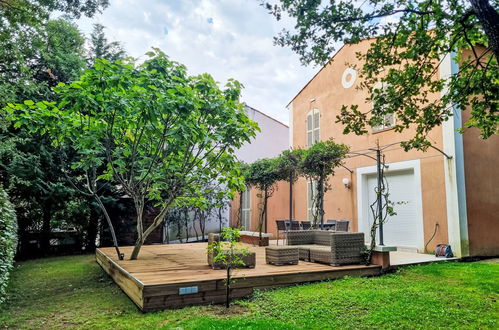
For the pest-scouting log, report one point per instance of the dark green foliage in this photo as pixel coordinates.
(33, 59)
(8, 240)
(412, 38)
(100, 47)
(264, 174)
(289, 164)
(318, 162)
(151, 128)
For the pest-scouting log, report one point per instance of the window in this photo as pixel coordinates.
(246, 209)
(387, 119)
(313, 127)
(311, 191)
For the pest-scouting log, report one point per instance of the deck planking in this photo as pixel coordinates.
(153, 281)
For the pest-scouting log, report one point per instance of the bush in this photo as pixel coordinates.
(8, 240)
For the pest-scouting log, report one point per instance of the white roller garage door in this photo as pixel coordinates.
(405, 228)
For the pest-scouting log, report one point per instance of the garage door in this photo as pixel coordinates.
(405, 228)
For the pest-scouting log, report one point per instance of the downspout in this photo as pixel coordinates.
(455, 187)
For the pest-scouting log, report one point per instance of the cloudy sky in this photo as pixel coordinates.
(226, 38)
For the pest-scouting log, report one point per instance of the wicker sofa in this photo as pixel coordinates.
(329, 247)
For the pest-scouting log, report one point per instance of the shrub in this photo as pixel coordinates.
(8, 240)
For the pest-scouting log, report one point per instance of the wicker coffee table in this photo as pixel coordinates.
(282, 255)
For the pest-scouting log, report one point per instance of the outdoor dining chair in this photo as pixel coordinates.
(342, 225)
(305, 225)
(281, 226)
(292, 225)
(331, 224)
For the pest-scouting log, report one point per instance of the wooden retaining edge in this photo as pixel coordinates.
(164, 296)
(131, 286)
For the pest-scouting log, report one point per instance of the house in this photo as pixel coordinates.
(447, 195)
(268, 143)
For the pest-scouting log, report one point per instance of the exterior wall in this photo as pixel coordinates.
(269, 142)
(277, 208)
(326, 93)
(482, 189)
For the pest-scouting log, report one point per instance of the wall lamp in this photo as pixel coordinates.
(347, 183)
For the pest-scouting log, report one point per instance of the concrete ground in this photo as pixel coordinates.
(401, 258)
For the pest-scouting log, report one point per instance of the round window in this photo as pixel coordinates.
(348, 77)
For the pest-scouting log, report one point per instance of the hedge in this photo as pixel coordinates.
(8, 240)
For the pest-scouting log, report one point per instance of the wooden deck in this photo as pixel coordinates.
(154, 280)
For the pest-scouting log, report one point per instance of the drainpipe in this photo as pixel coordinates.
(455, 187)
(378, 196)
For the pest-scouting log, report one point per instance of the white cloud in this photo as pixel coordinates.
(238, 43)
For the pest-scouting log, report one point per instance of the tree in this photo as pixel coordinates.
(157, 131)
(100, 47)
(229, 254)
(36, 53)
(288, 164)
(319, 162)
(32, 61)
(412, 38)
(264, 175)
(37, 11)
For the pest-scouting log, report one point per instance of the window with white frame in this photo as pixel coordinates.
(388, 119)
(311, 192)
(313, 127)
(246, 209)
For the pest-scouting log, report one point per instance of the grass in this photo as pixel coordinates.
(73, 292)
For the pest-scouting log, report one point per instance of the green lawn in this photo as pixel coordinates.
(67, 292)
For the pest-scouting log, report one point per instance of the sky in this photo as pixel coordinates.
(225, 38)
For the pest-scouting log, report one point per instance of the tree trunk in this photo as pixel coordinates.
(140, 231)
(156, 222)
(265, 210)
(196, 216)
(121, 256)
(202, 223)
(321, 202)
(220, 217)
(45, 237)
(92, 228)
(227, 289)
(489, 19)
(186, 218)
(240, 213)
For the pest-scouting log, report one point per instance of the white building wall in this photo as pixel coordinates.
(272, 139)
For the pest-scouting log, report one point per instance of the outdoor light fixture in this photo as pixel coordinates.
(347, 183)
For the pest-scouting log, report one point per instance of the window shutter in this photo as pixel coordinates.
(316, 126)
(310, 130)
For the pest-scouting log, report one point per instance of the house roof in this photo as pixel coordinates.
(315, 75)
(264, 114)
